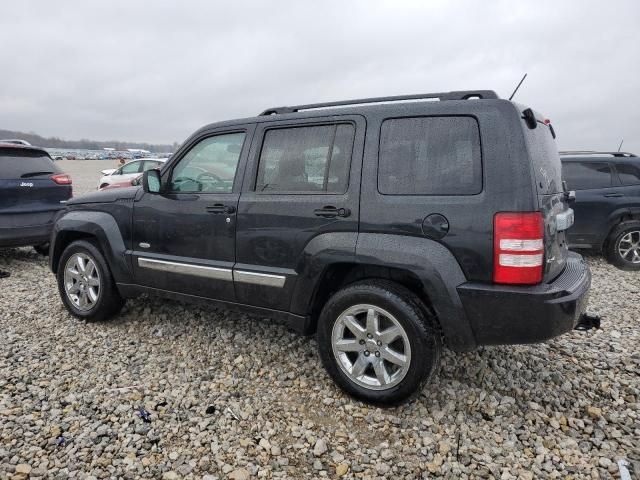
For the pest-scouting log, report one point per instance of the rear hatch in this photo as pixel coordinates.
(32, 187)
(552, 201)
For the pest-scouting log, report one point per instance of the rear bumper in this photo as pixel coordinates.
(501, 314)
(25, 236)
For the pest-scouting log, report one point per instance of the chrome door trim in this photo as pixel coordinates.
(186, 268)
(264, 279)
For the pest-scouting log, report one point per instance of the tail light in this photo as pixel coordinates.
(518, 250)
(61, 179)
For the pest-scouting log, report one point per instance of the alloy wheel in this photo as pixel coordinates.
(371, 347)
(629, 247)
(82, 281)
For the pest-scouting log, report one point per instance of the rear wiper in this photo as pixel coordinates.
(34, 174)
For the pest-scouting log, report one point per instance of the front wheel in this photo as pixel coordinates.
(378, 342)
(623, 246)
(85, 283)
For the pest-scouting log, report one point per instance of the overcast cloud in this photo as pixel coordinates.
(156, 71)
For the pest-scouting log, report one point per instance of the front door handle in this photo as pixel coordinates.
(614, 195)
(331, 212)
(219, 208)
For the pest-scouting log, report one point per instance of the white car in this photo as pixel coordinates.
(128, 171)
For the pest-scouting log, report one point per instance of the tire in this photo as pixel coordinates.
(99, 303)
(42, 249)
(419, 342)
(625, 236)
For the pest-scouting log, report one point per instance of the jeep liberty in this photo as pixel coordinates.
(390, 227)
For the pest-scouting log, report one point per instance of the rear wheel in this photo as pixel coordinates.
(378, 342)
(85, 283)
(623, 246)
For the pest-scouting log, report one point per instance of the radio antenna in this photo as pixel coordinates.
(620, 146)
(514, 92)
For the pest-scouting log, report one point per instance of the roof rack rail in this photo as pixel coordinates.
(459, 95)
(593, 152)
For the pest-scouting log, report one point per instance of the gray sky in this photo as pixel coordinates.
(156, 71)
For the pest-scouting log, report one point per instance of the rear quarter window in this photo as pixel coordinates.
(629, 174)
(22, 163)
(586, 175)
(430, 156)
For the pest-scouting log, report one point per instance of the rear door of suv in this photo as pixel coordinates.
(32, 188)
(301, 186)
(597, 193)
(628, 197)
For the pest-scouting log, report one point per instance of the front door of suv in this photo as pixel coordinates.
(300, 199)
(184, 237)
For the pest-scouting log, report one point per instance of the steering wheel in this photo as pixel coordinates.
(180, 180)
(202, 175)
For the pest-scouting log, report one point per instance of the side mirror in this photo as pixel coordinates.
(151, 181)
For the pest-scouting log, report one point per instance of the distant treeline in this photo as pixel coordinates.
(54, 142)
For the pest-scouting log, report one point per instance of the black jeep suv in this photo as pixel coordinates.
(388, 226)
(607, 205)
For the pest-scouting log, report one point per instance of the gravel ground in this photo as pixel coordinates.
(168, 390)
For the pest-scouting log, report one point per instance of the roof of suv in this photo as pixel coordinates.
(356, 106)
(593, 156)
(18, 146)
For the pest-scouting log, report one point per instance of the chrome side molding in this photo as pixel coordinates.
(244, 276)
(186, 268)
(265, 279)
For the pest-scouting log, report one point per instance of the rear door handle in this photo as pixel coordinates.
(614, 195)
(219, 208)
(331, 212)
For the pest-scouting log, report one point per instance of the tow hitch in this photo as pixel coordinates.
(587, 322)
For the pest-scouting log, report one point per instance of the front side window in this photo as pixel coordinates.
(210, 166)
(629, 174)
(306, 159)
(131, 167)
(586, 175)
(430, 156)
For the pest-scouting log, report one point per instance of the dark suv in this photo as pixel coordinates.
(389, 226)
(32, 190)
(607, 205)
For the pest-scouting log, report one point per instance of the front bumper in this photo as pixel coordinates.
(502, 314)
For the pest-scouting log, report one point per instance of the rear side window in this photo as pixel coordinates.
(306, 159)
(19, 163)
(586, 175)
(629, 174)
(430, 156)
